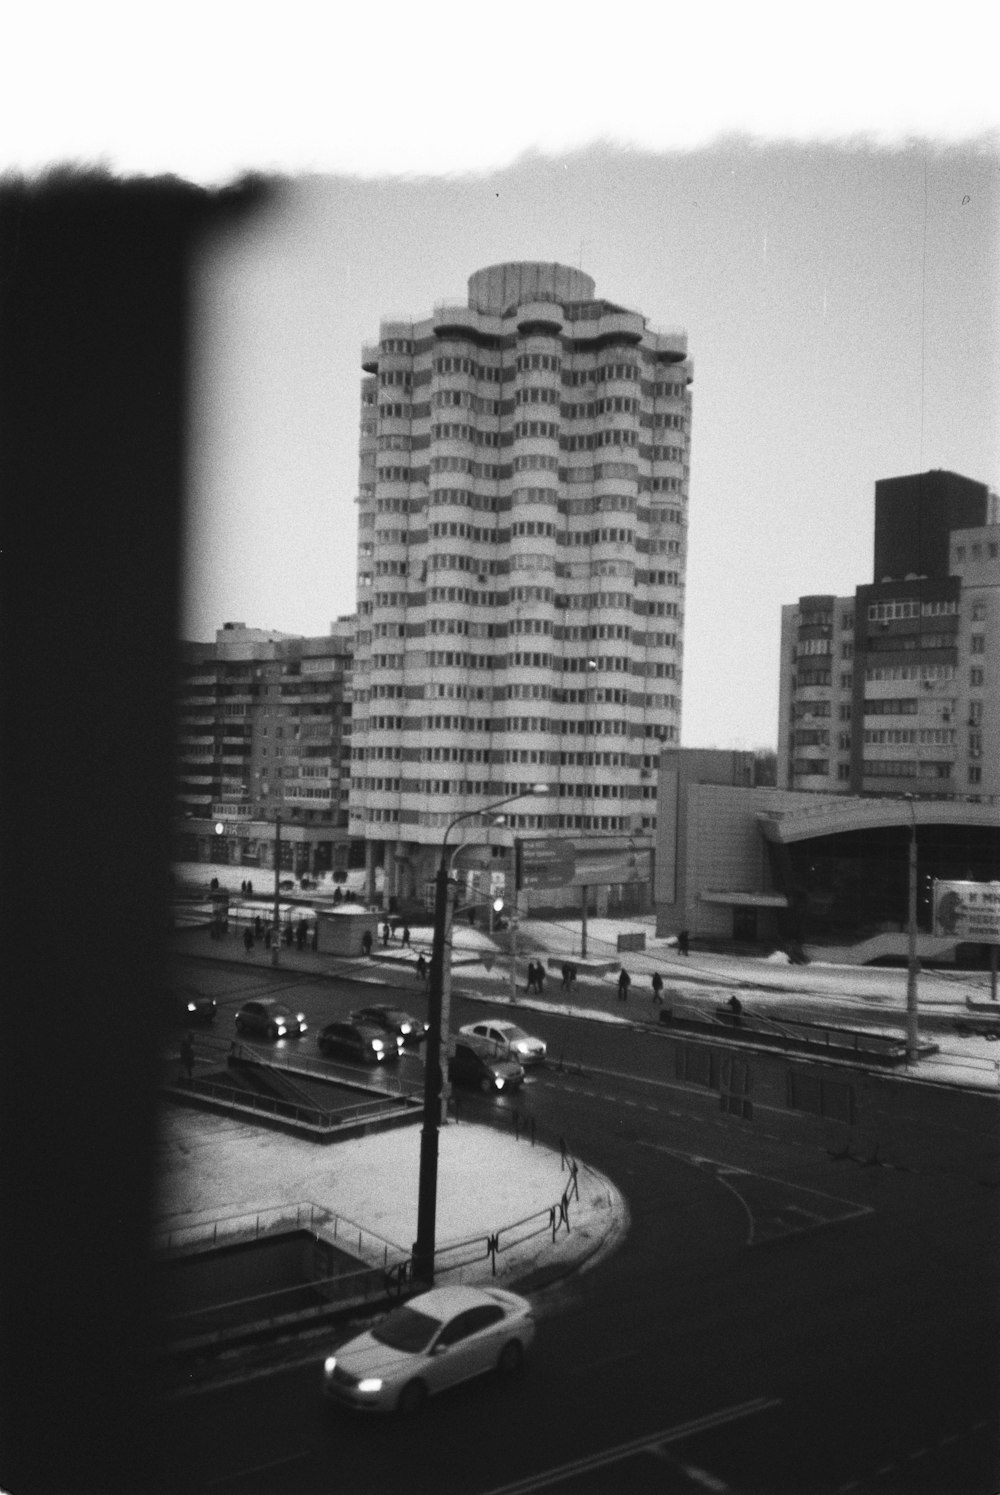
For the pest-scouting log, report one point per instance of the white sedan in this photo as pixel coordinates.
(434, 1341)
(511, 1040)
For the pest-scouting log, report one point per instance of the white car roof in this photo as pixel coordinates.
(442, 1302)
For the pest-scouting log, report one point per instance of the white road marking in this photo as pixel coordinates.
(637, 1445)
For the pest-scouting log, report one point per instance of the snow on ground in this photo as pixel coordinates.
(215, 1169)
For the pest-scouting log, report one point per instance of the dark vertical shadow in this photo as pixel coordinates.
(95, 278)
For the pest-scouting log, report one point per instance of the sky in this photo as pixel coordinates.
(816, 205)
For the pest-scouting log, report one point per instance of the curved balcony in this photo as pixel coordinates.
(543, 318)
(369, 357)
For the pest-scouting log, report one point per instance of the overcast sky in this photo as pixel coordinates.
(819, 209)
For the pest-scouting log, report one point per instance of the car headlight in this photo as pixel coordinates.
(377, 1044)
(301, 1018)
(281, 1030)
(191, 1007)
(369, 1385)
(330, 1364)
(406, 1028)
(499, 1083)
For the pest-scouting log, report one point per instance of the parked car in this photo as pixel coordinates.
(189, 1006)
(434, 1341)
(393, 1020)
(362, 1041)
(270, 1018)
(511, 1040)
(475, 1062)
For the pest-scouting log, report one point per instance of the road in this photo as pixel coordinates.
(776, 1319)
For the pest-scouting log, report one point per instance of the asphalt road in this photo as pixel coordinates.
(777, 1318)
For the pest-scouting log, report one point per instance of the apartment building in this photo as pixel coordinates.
(896, 690)
(523, 496)
(264, 733)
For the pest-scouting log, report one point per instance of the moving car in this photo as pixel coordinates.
(475, 1061)
(436, 1340)
(393, 1020)
(189, 1006)
(511, 1040)
(270, 1018)
(362, 1041)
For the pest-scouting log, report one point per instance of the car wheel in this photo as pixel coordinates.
(272, 1031)
(511, 1357)
(240, 1025)
(486, 1086)
(412, 1397)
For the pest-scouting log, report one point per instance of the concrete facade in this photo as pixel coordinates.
(523, 494)
(264, 724)
(896, 690)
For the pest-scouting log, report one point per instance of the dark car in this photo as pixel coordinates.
(474, 1061)
(271, 1019)
(364, 1041)
(394, 1021)
(189, 1006)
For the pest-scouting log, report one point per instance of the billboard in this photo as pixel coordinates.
(563, 864)
(970, 910)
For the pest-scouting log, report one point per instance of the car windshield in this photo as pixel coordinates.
(406, 1329)
(512, 1032)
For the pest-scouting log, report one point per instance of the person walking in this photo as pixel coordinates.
(657, 989)
(386, 933)
(248, 939)
(624, 982)
(187, 1054)
(684, 943)
(422, 967)
(567, 971)
(366, 942)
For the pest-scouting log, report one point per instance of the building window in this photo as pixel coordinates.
(978, 643)
(977, 675)
(975, 773)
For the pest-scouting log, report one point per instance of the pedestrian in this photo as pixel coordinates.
(421, 967)
(406, 935)
(684, 942)
(735, 1006)
(258, 925)
(657, 989)
(386, 933)
(248, 939)
(566, 970)
(624, 982)
(187, 1054)
(366, 942)
(539, 977)
(249, 889)
(572, 974)
(529, 985)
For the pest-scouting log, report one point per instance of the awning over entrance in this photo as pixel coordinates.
(746, 900)
(836, 815)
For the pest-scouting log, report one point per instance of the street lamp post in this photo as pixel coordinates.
(276, 937)
(423, 1247)
(911, 941)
